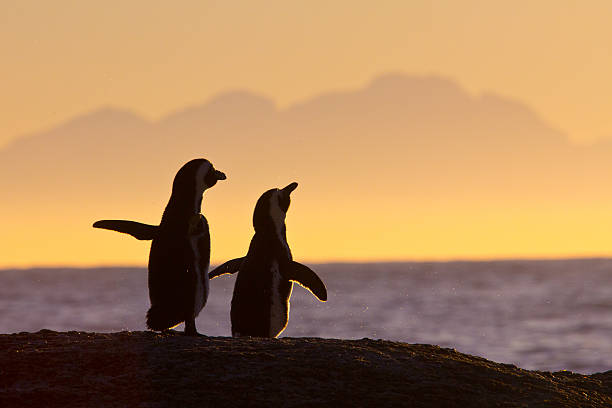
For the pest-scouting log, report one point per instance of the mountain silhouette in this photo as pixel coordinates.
(388, 150)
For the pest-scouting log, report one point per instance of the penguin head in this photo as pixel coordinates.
(195, 177)
(271, 208)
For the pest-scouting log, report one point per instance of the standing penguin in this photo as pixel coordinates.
(180, 251)
(260, 304)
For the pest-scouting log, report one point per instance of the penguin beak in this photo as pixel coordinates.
(287, 190)
(220, 175)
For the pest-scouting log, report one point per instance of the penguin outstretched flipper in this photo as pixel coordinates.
(228, 267)
(138, 230)
(306, 277)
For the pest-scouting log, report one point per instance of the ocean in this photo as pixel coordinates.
(546, 315)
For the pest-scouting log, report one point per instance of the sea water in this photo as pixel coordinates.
(544, 315)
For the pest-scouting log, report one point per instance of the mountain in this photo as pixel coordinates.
(399, 162)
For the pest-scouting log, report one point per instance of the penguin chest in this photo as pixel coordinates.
(279, 300)
(199, 246)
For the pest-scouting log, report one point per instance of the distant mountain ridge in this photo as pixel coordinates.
(401, 142)
(389, 93)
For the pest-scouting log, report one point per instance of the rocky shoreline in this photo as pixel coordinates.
(146, 369)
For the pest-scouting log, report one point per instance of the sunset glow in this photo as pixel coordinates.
(416, 130)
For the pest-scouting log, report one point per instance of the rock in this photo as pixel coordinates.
(146, 369)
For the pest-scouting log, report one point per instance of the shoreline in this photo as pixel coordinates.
(147, 369)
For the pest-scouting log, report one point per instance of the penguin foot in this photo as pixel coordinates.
(190, 328)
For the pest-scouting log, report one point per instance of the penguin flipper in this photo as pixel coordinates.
(307, 278)
(138, 230)
(228, 267)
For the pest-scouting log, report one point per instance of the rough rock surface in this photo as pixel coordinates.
(145, 369)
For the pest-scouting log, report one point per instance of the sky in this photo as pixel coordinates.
(64, 59)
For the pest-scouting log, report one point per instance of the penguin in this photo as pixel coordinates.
(260, 302)
(180, 250)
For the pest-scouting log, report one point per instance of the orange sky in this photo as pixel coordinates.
(63, 58)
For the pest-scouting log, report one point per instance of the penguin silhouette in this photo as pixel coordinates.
(260, 303)
(180, 252)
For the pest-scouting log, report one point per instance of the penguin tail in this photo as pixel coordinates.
(159, 319)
